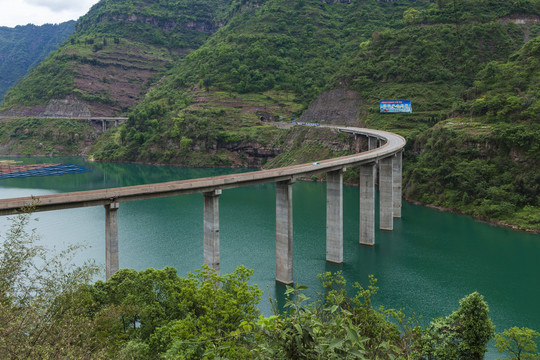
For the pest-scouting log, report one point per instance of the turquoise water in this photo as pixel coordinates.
(430, 261)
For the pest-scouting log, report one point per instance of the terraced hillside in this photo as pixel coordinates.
(117, 51)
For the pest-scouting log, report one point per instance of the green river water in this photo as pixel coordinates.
(425, 266)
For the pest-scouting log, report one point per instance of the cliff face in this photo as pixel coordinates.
(67, 108)
(338, 106)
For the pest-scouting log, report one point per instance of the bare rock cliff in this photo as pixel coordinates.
(338, 106)
(72, 108)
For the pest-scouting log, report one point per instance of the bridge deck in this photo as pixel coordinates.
(394, 143)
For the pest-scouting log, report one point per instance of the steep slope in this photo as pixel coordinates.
(463, 63)
(23, 47)
(430, 53)
(268, 63)
(434, 60)
(486, 159)
(117, 51)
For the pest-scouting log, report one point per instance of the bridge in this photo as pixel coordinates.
(384, 148)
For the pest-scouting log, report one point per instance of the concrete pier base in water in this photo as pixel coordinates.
(284, 232)
(397, 178)
(367, 204)
(386, 190)
(111, 239)
(211, 229)
(334, 216)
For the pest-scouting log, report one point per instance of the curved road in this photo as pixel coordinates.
(393, 144)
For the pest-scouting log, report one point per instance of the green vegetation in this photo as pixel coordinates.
(49, 308)
(518, 343)
(46, 136)
(42, 314)
(474, 88)
(223, 70)
(23, 47)
(463, 334)
(199, 128)
(53, 78)
(485, 161)
(174, 25)
(117, 51)
(276, 57)
(287, 46)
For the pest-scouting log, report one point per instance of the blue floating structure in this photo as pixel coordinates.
(61, 169)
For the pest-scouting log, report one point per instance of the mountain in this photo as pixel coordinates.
(23, 47)
(117, 51)
(485, 159)
(268, 63)
(290, 59)
(226, 97)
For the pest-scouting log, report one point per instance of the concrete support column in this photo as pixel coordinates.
(357, 143)
(373, 143)
(211, 229)
(334, 216)
(386, 183)
(284, 232)
(111, 239)
(397, 179)
(103, 125)
(367, 204)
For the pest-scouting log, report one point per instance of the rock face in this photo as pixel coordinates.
(71, 108)
(338, 106)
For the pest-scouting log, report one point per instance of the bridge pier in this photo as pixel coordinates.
(111, 239)
(334, 216)
(373, 143)
(284, 232)
(397, 187)
(386, 189)
(367, 203)
(211, 230)
(390, 177)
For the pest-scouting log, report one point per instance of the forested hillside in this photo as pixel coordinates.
(485, 160)
(23, 47)
(468, 66)
(269, 62)
(474, 85)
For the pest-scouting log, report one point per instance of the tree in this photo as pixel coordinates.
(337, 326)
(518, 343)
(157, 314)
(412, 16)
(464, 334)
(42, 310)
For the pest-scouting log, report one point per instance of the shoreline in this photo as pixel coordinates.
(477, 217)
(416, 202)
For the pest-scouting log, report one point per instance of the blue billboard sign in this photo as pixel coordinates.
(395, 106)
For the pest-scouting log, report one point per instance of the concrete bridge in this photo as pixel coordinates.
(384, 147)
(105, 122)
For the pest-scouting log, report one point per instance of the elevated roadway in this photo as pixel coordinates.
(385, 149)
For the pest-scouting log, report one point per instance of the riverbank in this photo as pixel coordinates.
(480, 218)
(317, 179)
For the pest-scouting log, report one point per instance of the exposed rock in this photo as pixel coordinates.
(165, 24)
(338, 106)
(522, 19)
(36, 110)
(67, 108)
